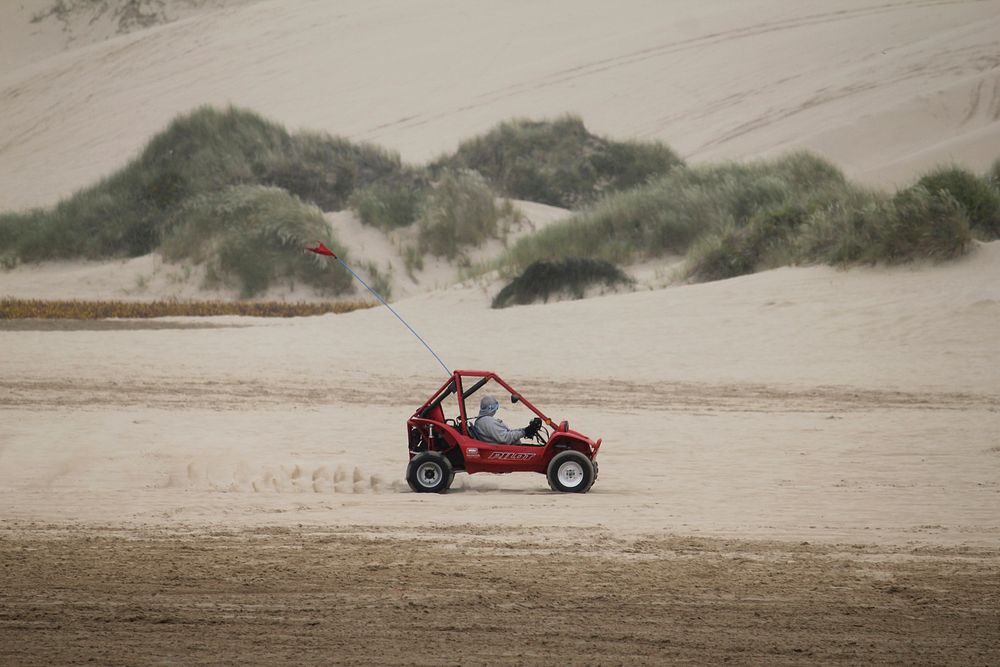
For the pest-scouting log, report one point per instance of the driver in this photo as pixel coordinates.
(490, 429)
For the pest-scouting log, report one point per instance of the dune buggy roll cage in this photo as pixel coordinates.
(454, 384)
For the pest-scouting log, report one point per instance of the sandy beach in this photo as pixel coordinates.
(799, 466)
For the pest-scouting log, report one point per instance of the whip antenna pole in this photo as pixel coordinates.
(321, 249)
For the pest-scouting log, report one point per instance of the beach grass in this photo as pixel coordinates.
(668, 215)
(200, 163)
(460, 211)
(559, 162)
(735, 219)
(978, 196)
(242, 196)
(251, 236)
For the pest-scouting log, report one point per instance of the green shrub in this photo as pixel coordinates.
(993, 175)
(927, 224)
(325, 170)
(656, 219)
(804, 172)
(249, 236)
(764, 242)
(215, 184)
(980, 201)
(209, 149)
(105, 220)
(873, 228)
(743, 189)
(733, 219)
(558, 162)
(843, 232)
(388, 205)
(568, 277)
(20, 234)
(199, 153)
(666, 216)
(459, 211)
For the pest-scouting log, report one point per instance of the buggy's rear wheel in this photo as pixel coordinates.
(571, 472)
(429, 472)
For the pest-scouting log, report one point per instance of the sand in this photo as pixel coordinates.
(881, 88)
(361, 597)
(798, 466)
(847, 405)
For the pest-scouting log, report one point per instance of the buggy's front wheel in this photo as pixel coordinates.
(571, 472)
(429, 472)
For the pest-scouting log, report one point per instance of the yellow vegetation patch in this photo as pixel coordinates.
(13, 309)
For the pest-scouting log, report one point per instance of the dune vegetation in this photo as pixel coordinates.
(197, 181)
(201, 153)
(559, 162)
(734, 219)
(79, 309)
(251, 236)
(242, 196)
(566, 278)
(978, 197)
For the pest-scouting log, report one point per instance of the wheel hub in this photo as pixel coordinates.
(428, 474)
(570, 474)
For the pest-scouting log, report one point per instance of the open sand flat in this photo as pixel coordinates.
(798, 466)
(799, 403)
(882, 88)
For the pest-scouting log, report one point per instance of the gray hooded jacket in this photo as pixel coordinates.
(490, 429)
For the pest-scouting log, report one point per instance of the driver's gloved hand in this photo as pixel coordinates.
(532, 428)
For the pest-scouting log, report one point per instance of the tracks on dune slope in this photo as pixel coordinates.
(595, 67)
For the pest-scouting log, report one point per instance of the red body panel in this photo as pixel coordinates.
(428, 430)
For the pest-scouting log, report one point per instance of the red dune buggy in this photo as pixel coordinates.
(440, 445)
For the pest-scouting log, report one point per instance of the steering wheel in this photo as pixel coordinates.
(542, 434)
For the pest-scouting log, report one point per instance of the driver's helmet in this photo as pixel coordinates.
(488, 406)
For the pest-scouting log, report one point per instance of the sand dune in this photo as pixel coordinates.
(715, 80)
(798, 466)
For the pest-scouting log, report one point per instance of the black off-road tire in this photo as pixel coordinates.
(570, 472)
(429, 472)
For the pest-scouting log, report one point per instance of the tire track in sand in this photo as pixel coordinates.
(240, 393)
